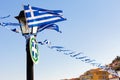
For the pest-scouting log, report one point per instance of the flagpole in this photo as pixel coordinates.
(30, 64)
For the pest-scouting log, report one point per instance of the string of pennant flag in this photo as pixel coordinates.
(46, 19)
(79, 56)
(50, 27)
(5, 24)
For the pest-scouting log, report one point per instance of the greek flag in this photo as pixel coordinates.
(39, 17)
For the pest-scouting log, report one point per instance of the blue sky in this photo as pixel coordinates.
(92, 27)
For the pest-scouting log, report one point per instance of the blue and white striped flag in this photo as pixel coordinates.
(38, 16)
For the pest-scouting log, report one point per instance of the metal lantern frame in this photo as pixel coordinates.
(23, 25)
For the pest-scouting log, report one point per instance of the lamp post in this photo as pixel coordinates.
(31, 45)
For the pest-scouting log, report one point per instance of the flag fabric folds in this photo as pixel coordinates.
(39, 17)
(50, 26)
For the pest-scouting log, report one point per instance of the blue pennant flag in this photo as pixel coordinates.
(15, 30)
(4, 17)
(9, 24)
(50, 26)
(38, 16)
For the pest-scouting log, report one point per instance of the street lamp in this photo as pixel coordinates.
(31, 44)
(23, 25)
